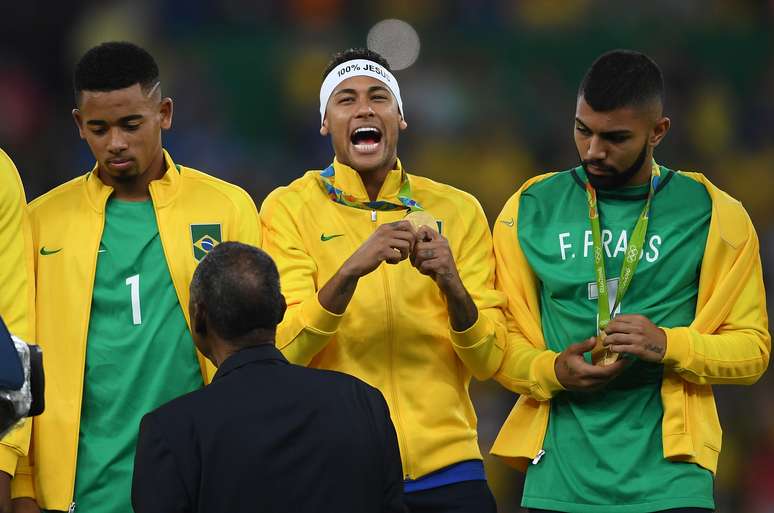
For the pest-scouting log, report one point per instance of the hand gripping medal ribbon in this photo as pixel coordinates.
(601, 355)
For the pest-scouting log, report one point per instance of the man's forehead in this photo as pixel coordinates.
(132, 96)
(622, 118)
(360, 83)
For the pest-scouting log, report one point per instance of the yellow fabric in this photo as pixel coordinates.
(395, 333)
(71, 217)
(17, 294)
(728, 342)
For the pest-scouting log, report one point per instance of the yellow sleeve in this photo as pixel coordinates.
(21, 485)
(480, 347)
(729, 341)
(247, 222)
(307, 326)
(17, 296)
(527, 367)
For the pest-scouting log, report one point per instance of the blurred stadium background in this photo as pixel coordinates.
(489, 100)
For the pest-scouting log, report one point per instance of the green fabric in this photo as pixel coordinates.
(603, 449)
(130, 368)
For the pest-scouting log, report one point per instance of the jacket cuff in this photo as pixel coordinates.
(8, 459)
(543, 375)
(678, 347)
(474, 335)
(317, 318)
(21, 486)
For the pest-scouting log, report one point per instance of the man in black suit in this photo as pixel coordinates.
(266, 435)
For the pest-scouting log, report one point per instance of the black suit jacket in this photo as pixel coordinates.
(267, 436)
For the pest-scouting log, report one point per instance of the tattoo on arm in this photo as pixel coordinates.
(654, 348)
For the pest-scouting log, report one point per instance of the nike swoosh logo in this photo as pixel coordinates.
(508, 222)
(324, 237)
(46, 252)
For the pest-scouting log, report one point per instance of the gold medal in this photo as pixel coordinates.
(602, 355)
(421, 218)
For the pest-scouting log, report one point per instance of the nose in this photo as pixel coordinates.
(364, 108)
(597, 149)
(116, 141)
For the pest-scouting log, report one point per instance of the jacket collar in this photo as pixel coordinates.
(349, 181)
(261, 353)
(162, 190)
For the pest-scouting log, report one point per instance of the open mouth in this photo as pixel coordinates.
(366, 139)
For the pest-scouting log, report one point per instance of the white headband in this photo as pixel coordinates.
(357, 68)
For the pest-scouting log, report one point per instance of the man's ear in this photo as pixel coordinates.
(78, 118)
(165, 111)
(659, 131)
(402, 125)
(324, 128)
(283, 308)
(198, 319)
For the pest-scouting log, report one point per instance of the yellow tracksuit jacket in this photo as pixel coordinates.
(71, 218)
(395, 333)
(17, 288)
(727, 343)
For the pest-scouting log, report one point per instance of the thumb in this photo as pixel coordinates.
(582, 347)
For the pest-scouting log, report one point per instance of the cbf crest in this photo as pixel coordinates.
(204, 238)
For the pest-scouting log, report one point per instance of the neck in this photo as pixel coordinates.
(642, 176)
(221, 349)
(135, 188)
(373, 179)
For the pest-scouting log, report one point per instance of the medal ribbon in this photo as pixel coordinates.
(633, 250)
(328, 179)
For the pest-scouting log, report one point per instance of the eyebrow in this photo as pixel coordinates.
(370, 90)
(612, 133)
(123, 120)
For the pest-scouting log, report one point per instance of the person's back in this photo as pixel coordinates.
(268, 436)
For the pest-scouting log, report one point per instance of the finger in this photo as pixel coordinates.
(404, 226)
(425, 233)
(401, 245)
(393, 256)
(579, 348)
(599, 373)
(621, 338)
(431, 267)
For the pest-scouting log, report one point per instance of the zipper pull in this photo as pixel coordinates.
(540, 454)
(71, 509)
(373, 216)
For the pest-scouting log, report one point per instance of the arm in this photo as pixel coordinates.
(313, 316)
(729, 341)
(16, 301)
(157, 486)
(248, 223)
(466, 280)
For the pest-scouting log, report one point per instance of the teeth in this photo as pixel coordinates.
(366, 129)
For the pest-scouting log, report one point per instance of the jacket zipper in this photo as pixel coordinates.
(393, 350)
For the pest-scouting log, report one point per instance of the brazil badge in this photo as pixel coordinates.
(204, 238)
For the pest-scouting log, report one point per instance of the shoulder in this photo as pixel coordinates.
(59, 196)
(11, 189)
(423, 186)
(199, 179)
(539, 185)
(294, 196)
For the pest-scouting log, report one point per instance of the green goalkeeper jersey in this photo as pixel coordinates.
(603, 449)
(139, 355)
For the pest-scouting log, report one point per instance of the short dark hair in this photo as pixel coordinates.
(351, 54)
(622, 78)
(114, 65)
(238, 286)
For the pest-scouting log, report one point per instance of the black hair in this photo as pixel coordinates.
(355, 53)
(622, 78)
(238, 287)
(114, 65)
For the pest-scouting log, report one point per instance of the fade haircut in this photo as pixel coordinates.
(622, 78)
(238, 287)
(356, 53)
(115, 65)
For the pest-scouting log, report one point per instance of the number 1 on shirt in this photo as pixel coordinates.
(134, 288)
